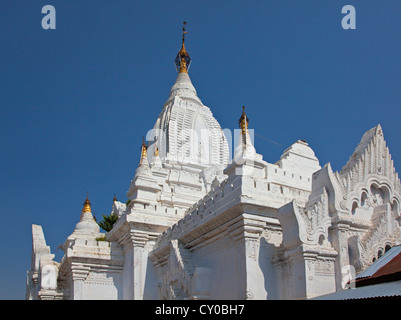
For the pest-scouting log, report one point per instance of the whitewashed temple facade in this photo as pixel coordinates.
(200, 225)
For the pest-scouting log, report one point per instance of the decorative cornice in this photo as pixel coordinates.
(135, 238)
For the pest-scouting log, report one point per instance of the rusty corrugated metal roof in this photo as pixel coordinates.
(393, 253)
(381, 280)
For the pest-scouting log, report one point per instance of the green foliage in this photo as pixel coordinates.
(108, 221)
(102, 238)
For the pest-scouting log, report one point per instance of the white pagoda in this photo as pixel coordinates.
(199, 225)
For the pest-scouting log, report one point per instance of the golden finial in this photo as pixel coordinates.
(144, 149)
(115, 198)
(182, 60)
(87, 205)
(183, 32)
(243, 121)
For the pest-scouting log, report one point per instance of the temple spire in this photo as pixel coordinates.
(244, 147)
(87, 205)
(243, 121)
(87, 225)
(144, 149)
(182, 60)
(156, 161)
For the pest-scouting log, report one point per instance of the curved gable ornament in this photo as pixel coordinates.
(181, 278)
(371, 165)
(306, 226)
(177, 277)
(365, 196)
(355, 212)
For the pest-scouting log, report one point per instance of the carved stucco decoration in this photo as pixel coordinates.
(182, 278)
(371, 165)
(176, 278)
(307, 225)
(365, 248)
(365, 196)
(370, 190)
(317, 220)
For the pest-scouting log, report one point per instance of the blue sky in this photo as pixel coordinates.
(76, 101)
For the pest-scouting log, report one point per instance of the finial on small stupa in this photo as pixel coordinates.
(243, 121)
(87, 205)
(144, 149)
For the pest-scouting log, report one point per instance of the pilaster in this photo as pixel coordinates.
(79, 273)
(339, 234)
(136, 245)
(246, 232)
